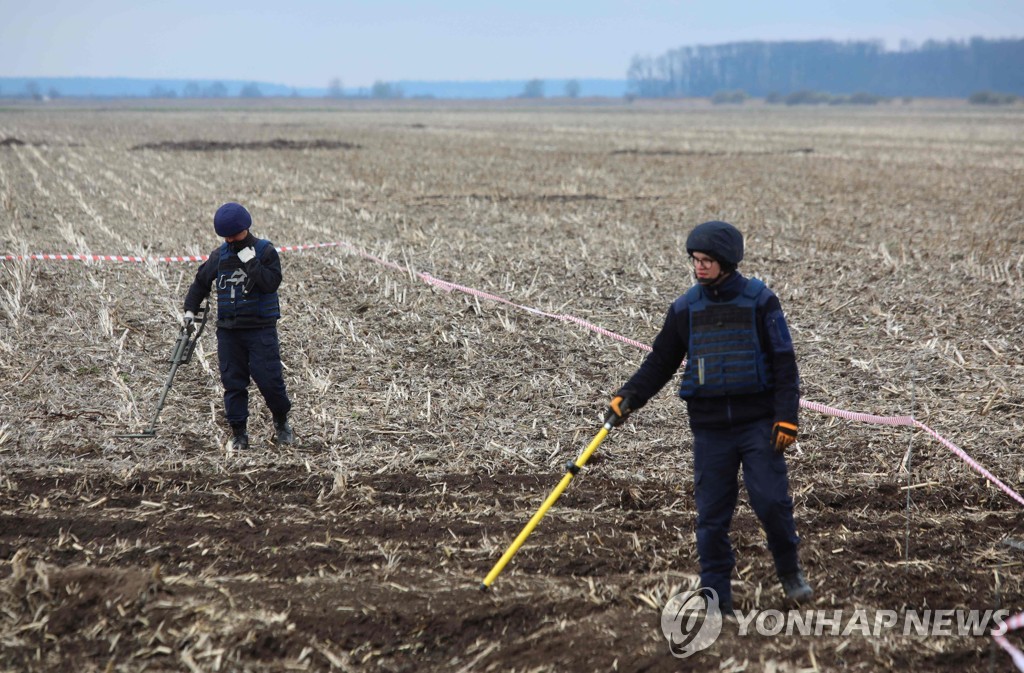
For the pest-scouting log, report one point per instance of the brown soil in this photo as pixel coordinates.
(272, 568)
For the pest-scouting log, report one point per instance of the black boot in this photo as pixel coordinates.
(282, 431)
(239, 439)
(796, 587)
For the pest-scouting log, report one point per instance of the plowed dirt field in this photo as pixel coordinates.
(432, 423)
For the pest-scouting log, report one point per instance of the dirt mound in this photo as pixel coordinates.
(705, 153)
(221, 146)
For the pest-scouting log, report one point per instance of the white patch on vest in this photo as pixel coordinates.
(236, 279)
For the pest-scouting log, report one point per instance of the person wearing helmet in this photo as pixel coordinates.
(247, 273)
(742, 391)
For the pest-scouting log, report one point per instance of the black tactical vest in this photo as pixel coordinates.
(724, 355)
(236, 295)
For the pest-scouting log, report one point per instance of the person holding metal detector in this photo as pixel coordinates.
(181, 354)
(741, 388)
(247, 273)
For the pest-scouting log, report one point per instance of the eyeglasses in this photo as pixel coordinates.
(702, 262)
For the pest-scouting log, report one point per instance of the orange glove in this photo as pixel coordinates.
(783, 434)
(619, 410)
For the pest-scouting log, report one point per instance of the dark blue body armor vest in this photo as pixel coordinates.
(724, 355)
(236, 296)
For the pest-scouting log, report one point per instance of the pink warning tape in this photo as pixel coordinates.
(137, 259)
(814, 406)
(448, 286)
(1013, 623)
(999, 635)
(102, 258)
(908, 421)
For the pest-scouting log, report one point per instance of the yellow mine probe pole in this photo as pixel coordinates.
(571, 470)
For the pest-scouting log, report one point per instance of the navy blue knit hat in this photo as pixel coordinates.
(230, 219)
(719, 239)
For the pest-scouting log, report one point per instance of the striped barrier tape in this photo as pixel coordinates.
(999, 635)
(102, 258)
(909, 421)
(448, 286)
(138, 259)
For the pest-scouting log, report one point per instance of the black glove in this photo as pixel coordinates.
(619, 409)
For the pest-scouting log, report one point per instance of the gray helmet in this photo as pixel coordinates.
(718, 239)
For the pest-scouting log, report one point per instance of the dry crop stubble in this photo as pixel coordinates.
(432, 424)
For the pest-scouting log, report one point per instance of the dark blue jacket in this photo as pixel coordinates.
(262, 277)
(779, 403)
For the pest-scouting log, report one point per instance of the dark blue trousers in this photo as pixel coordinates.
(251, 354)
(717, 457)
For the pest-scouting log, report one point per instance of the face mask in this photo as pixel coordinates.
(239, 245)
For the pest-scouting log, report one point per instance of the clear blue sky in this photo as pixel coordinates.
(305, 43)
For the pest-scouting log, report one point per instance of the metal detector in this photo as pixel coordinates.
(188, 337)
(572, 468)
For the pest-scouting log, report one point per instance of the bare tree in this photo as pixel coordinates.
(386, 90)
(216, 90)
(572, 89)
(251, 90)
(160, 92)
(533, 89)
(334, 89)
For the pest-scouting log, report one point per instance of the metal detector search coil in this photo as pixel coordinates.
(181, 354)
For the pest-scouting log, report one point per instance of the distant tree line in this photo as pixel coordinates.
(534, 88)
(192, 90)
(954, 69)
(35, 92)
(214, 90)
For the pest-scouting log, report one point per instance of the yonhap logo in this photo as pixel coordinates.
(691, 621)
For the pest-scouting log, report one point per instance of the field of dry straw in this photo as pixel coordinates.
(432, 424)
